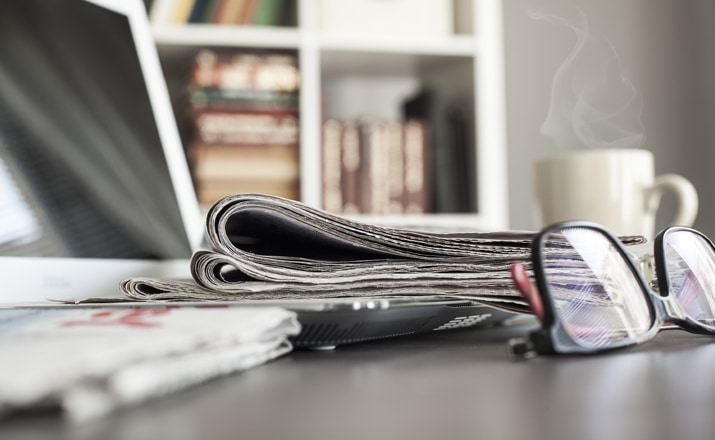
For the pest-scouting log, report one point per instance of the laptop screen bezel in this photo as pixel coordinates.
(158, 92)
(34, 279)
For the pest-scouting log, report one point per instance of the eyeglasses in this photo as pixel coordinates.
(590, 296)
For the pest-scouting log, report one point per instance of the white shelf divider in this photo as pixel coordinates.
(491, 158)
(310, 105)
(221, 35)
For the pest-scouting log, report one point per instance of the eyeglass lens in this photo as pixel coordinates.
(690, 263)
(596, 295)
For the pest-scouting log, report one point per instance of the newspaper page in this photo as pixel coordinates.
(87, 361)
(264, 246)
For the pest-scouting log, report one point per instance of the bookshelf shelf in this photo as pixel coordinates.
(459, 45)
(221, 35)
(351, 75)
(386, 63)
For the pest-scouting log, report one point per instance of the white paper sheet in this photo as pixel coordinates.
(91, 360)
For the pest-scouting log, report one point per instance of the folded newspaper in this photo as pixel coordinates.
(265, 247)
(88, 361)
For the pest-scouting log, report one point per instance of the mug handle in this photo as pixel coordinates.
(683, 190)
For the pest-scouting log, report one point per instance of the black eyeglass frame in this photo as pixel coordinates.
(677, 316)
(552, 337)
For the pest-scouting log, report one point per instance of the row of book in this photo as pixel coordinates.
(233, 12)
(244, 137)
(375, 167)
(243, 115)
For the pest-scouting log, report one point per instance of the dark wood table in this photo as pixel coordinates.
(456, 384)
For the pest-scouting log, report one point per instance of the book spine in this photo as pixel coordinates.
(255, 162)
(231, 12)
(351, 160)
(416, 168)
(242, 99)
(183, 11)
(220, 11)
(162, 12)
(197, 11)
(249, 8)
(267, 13)
(396, 167)
(234, 169)
(378, 175)
(246, 70)
(363, 178)
(384, 167)
(209, 12)
(210, 191)
(332, 166)
(456, 127)
(241, 128)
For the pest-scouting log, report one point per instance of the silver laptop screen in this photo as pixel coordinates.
(82, 168)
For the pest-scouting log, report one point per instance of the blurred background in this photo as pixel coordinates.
(667, 49)
(416, 113)
(479, 76)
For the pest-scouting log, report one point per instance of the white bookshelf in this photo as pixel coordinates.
(468, 63)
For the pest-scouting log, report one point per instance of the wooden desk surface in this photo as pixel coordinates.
(448, 385)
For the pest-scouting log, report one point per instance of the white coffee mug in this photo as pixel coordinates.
(614, 187)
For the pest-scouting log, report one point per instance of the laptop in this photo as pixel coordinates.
(94, 184)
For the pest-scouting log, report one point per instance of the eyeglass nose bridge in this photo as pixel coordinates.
(668, 308)
(646, 267)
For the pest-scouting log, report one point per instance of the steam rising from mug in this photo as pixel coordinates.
(593, 103)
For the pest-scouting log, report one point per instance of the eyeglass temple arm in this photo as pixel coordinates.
(527, 288)
(523, 348)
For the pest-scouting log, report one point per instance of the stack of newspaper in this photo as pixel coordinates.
(269, 247)
(90, 360)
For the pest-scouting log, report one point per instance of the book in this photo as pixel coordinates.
(458, 139)
(246, 15)
(377, 163)
(245, 128)
(228, 12)
(211, 190)
(383, 167)
(273, 161)
(242, 99)
(267, 13)
(209, 11)
(182, 11)
(396, 167)
(351, 165)
(243, 117)
(450, 188)
(246, 70)
(197, 12)
(221, 169)
(331, 166)
(416, 169)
